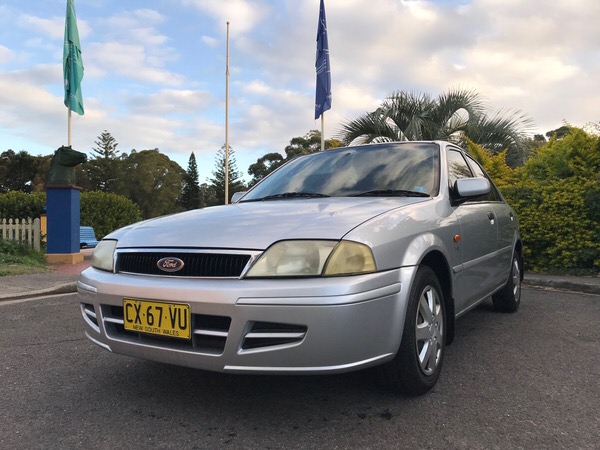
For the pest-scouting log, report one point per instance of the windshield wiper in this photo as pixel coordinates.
(287, 195)
(391, 193)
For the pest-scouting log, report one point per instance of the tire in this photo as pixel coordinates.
(508, 298)
(417, 366)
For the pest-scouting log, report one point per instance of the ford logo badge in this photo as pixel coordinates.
(170, 264)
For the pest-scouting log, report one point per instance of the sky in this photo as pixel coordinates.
(155, 69)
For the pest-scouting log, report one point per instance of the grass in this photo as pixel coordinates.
(17, 259)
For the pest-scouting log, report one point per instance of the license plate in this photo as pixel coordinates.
(159, 318)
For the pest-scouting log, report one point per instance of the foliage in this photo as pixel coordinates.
(453, 116)
(20, 205)
(556, 197)
(151, 180)
(234, 178)
(104, 169)
(190, 194)
(208, 195)
(106, 212)
(494, 164)
(17, 171)
(264, 166)
(17, 258)
(309, 143)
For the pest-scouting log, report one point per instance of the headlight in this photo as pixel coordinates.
(349, 258)
(313, 258)
(103, 255)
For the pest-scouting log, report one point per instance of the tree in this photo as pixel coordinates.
(152, 181)
(309, 143)
(104, 169)
(301, 145)
(208, 196)
(453, 116)
(559, 133)
(264, 166)
(235, 183)
(190, 194)
(17, 171)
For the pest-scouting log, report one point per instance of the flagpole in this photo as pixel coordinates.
(323, 88)
(69, 128)
(323, 131)
(227, 119)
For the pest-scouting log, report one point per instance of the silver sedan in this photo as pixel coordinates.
(337, 261)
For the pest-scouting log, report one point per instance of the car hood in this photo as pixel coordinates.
(256, 225)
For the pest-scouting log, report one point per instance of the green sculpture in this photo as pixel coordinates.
(62, 166)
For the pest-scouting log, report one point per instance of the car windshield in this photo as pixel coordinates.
(385, 170)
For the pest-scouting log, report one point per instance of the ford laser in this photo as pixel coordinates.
(337, 261)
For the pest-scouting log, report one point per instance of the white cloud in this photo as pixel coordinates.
(243, 15)
(54, 27)
(172, 101)
(132, 61)
(6, 54)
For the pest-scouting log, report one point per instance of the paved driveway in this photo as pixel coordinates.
(525, 380)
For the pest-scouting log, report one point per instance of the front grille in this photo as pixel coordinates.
(209, 333)
(195, 264)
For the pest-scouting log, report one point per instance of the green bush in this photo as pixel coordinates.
(106, 212)
(556, 196)
(19, 205)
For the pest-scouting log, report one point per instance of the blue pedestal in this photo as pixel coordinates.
(62, 204)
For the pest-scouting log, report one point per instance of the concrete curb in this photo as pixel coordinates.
(64, 288)
(577, 285)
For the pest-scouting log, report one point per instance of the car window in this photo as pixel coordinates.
(494, 195)
(457, 167)
(380, 168)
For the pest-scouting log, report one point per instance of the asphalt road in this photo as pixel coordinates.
(524, 380)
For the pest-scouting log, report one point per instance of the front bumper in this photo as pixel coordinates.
(323, 325)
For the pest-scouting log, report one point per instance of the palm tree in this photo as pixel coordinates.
(452, 116)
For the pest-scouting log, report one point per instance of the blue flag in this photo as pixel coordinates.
(323, 93)
(72, 62)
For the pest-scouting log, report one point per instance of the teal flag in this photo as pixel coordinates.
(72, 62)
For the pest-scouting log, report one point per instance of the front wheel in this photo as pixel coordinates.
(508, 298)
(418, 363)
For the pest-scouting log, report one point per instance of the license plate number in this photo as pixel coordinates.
(158, 318)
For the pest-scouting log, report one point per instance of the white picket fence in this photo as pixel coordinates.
(25, 230)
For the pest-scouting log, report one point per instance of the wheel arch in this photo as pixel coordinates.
(438, 263)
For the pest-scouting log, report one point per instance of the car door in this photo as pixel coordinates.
(475, 278)
(507, 224)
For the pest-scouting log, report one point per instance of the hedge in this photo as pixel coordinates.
(104, 212)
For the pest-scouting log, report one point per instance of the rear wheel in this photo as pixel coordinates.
(508, 298)
(418, 363)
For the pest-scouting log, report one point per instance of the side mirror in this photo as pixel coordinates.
(472, 187)
(237, 196)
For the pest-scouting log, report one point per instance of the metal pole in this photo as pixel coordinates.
(323, 131)
(69, 128)
(227, 120)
